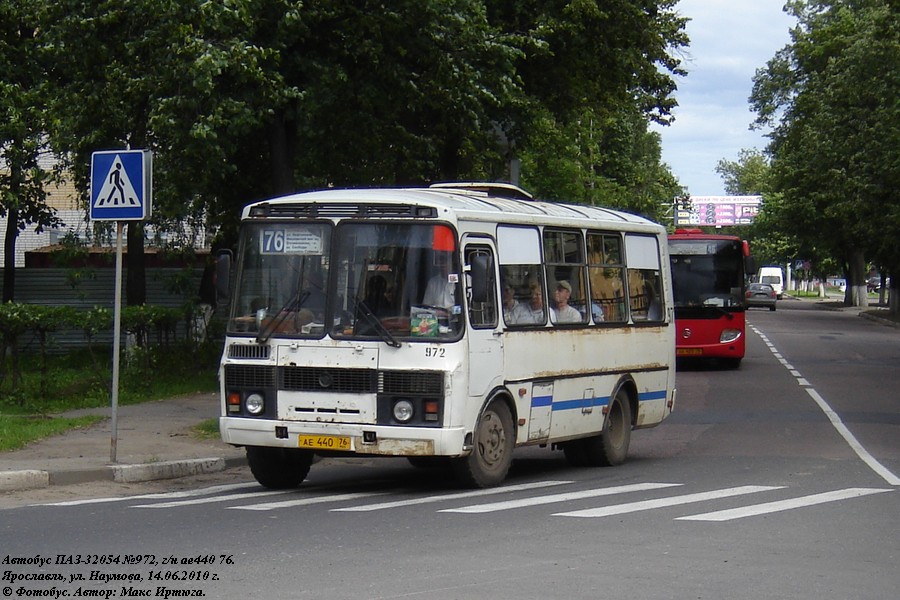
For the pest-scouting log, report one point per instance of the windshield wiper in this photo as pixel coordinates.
(375, 322)
(293, 304)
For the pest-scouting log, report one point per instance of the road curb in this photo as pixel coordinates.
(28, 479)
(23, 480)
(878, 319)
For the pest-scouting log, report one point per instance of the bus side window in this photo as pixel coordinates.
(482, 287)
(564, 258)
(644, 283)
(606, 273)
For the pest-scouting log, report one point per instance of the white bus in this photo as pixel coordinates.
(415, 323)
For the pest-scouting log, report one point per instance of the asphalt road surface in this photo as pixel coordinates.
(776, 480)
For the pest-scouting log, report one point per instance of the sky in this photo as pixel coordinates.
(730, 40)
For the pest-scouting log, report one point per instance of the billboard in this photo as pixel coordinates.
(717, 211)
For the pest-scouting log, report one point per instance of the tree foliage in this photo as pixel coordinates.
(245, 99)
(23, 181)
(832, 95)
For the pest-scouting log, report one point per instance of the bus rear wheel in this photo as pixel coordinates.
(610, 447)
(493, 441)
(279, 468)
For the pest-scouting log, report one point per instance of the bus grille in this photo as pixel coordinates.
(248, 351)
(324, 379)
(412, 382)
(319, 379)
(249, 376)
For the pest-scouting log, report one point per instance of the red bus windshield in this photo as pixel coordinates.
(707, 273)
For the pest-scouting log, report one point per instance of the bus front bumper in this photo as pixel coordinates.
(349, 439)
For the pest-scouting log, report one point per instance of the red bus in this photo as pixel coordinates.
(708, 281)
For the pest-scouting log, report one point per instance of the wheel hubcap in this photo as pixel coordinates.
(491, 439)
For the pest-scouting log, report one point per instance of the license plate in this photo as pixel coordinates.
(688, 352)
(324, 442)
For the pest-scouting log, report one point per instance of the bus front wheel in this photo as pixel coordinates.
(279, 468)
(493, 442)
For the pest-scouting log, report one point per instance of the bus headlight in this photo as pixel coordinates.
(729, 335)
(403, 411)
(255, 404)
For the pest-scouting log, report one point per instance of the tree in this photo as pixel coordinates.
(22, 179)
(251, 98)
(750, 175)
(834, 148)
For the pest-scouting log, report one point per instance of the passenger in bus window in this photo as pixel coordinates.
(531, 313)
(441, 289)
(509, 302)
(562, 312)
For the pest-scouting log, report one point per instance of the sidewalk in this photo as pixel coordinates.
(154, 441)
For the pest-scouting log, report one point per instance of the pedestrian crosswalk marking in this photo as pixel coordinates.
(780, 505)
(307, 501)
(566, 497)
(182, 494)
(456, 496)
(226, 498)
(619, 509)
(313, 495)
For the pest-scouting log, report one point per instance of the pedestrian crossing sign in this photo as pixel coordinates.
(121, 187)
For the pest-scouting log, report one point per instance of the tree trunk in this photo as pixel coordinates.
(9, 247)
(858, 278)
(281, 148)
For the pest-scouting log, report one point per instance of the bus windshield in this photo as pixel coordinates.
(707, 273)
(384, 281)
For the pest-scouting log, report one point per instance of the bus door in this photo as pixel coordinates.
(541, 411)
(485, 342)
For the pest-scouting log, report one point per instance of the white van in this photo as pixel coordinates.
(774, 276)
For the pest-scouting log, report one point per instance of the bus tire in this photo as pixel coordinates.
(491, 456)
(279, 468)
(610, 447)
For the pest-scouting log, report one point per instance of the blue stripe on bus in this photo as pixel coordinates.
(537, 401)
(542, 401)
(580, 403)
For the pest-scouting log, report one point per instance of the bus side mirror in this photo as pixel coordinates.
(481, 270)
(223, 276)
(749, 265)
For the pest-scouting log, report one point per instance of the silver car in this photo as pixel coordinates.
(762, 295)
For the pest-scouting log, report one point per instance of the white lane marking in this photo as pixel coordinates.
(225, 498)
(836, 422)
(619, 509)
(184, 494)
(851, 439)
(307, 501)
(537, 501)
(473, 494)
(771, 507)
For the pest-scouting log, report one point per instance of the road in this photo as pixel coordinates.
(777, 480)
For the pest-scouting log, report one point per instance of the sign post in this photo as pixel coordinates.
(121, 191)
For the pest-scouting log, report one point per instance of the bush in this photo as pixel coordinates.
(168, 357)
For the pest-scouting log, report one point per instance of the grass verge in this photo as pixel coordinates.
(35, 405)
(18, 431)
(207, 430)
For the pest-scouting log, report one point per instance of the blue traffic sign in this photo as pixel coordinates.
(121, 187)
